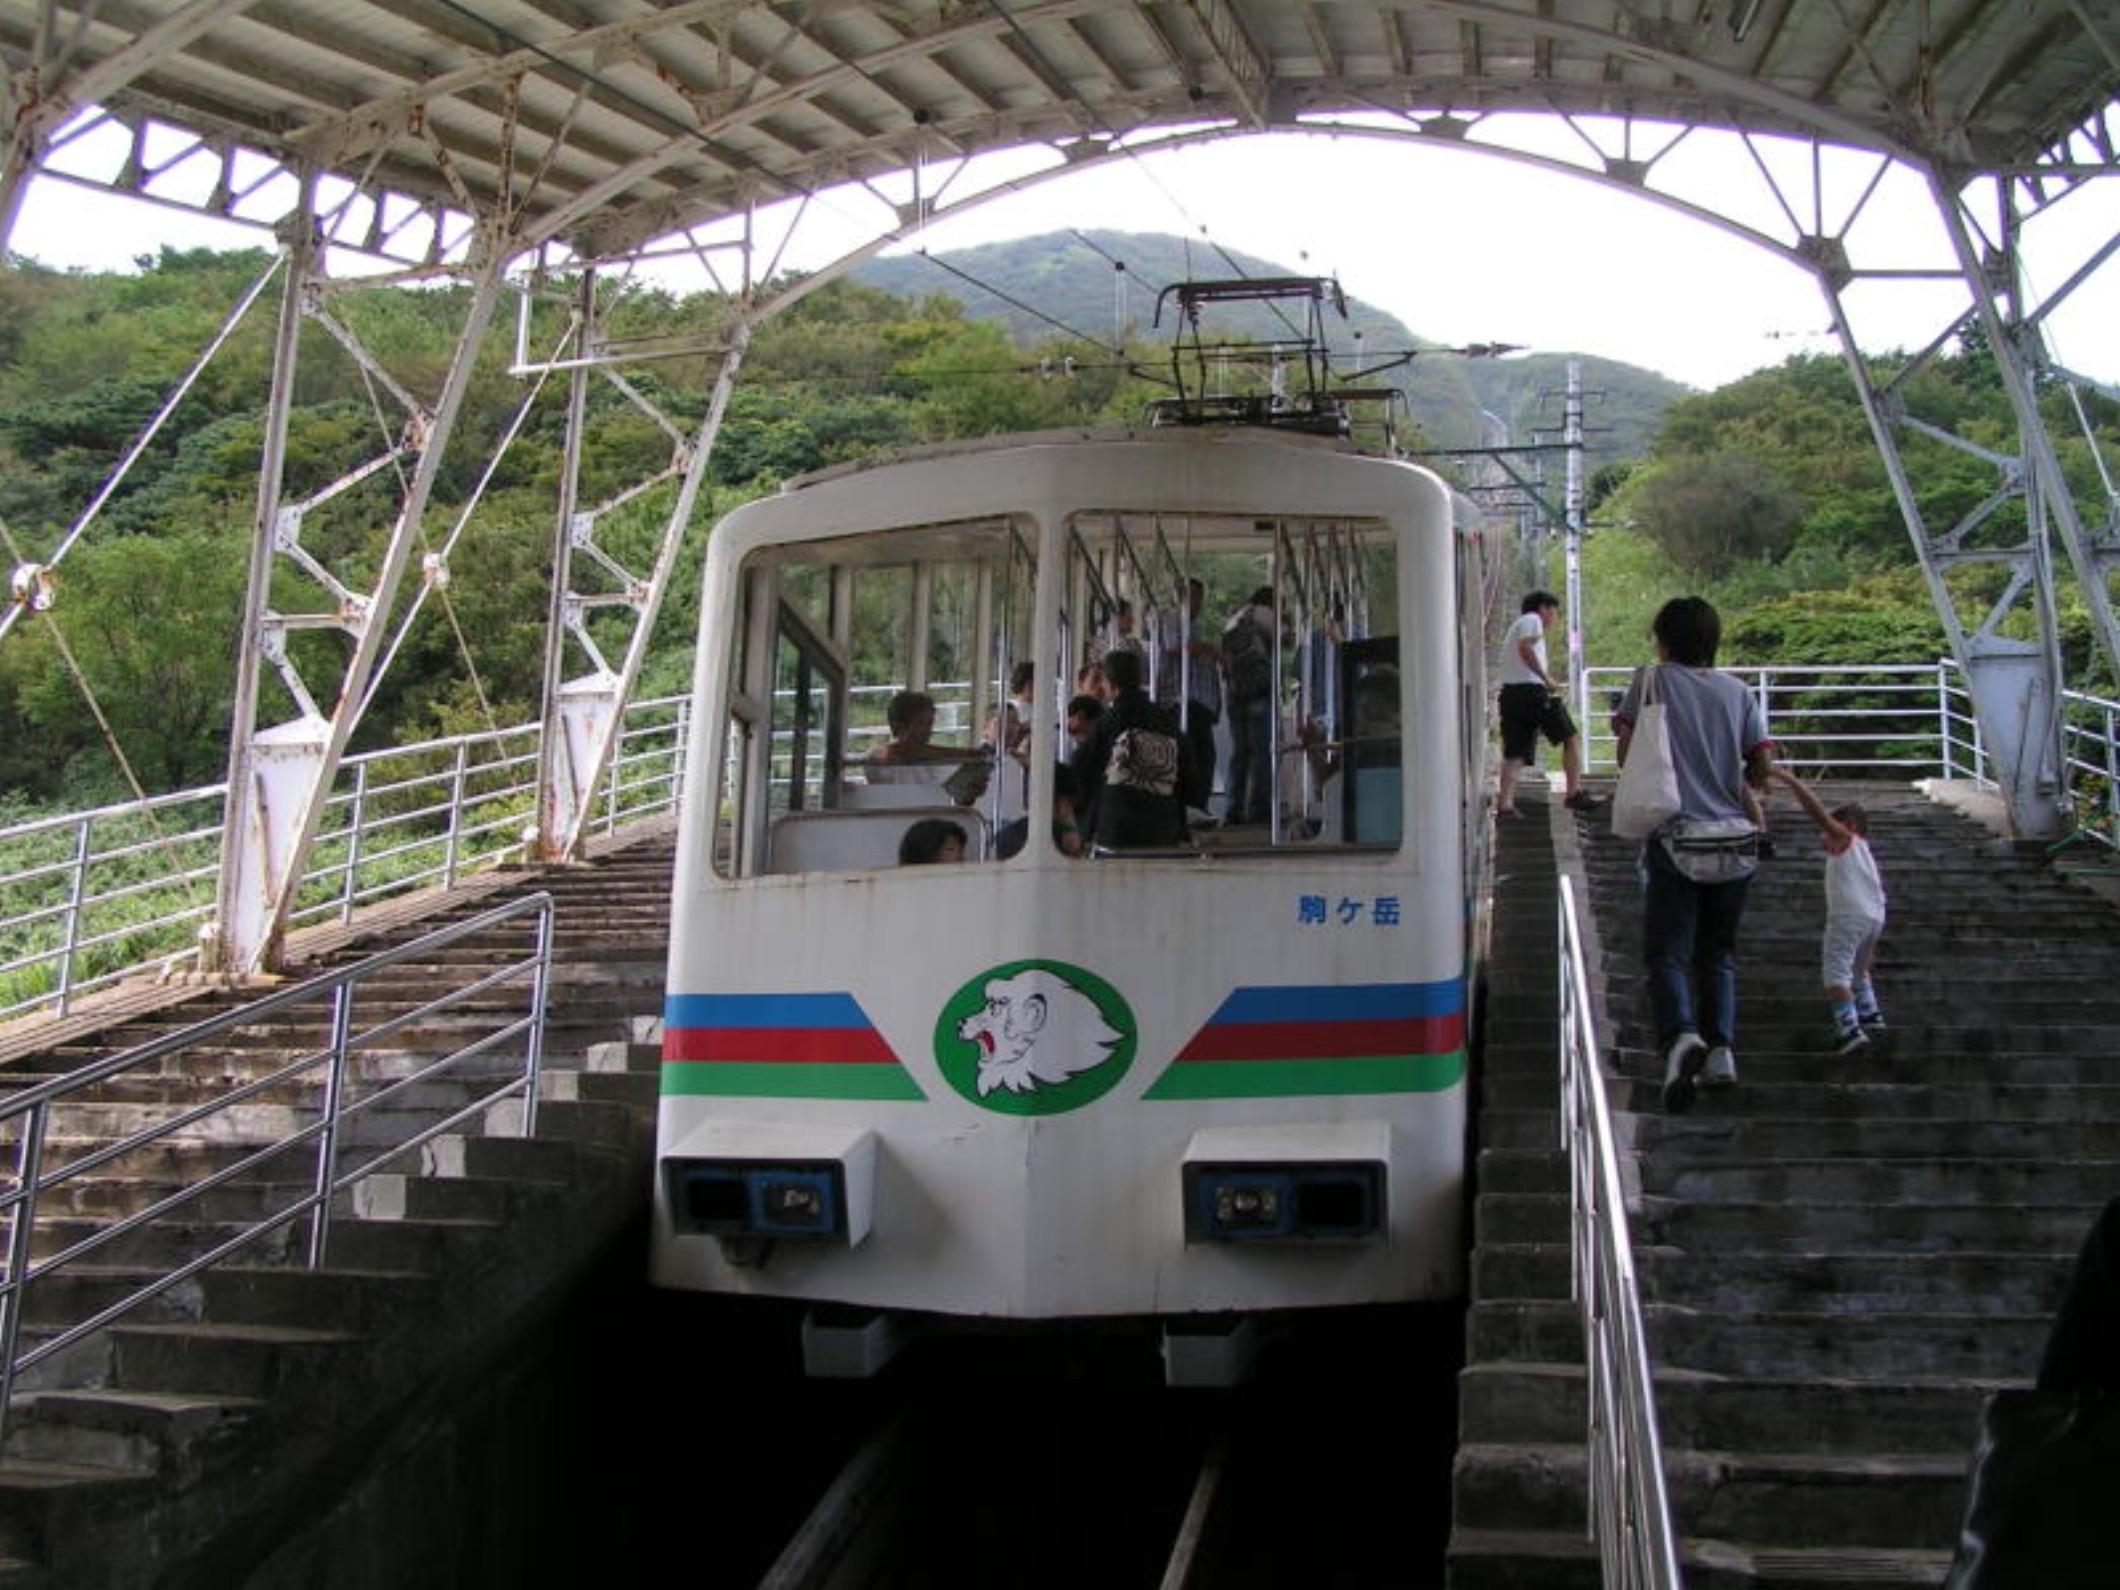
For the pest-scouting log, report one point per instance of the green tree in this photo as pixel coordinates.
(152, 623)
(1713, 511)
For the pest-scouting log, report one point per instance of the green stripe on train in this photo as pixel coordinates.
(1273, 1079)
(720, 1079)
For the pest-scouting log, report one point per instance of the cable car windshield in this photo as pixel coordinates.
(1211, 682)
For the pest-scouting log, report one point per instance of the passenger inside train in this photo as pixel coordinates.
(905, 671)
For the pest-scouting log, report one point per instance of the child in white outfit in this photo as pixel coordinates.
(1854, 916)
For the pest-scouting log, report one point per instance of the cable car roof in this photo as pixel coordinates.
(607, 123)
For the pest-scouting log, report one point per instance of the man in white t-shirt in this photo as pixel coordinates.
(1531, 706)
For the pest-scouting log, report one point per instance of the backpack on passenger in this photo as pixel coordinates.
(1142, 803)
(1144, 760)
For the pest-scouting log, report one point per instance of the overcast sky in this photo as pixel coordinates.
(1462, 248)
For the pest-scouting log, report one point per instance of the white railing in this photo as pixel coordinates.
(90, 898)
(1911, 720)
(1630, 1511)
(2091, 744)
(316, 1148)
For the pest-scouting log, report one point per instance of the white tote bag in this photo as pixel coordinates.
(1647, 796)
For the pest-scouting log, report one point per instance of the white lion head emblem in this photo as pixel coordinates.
(1036, 1028)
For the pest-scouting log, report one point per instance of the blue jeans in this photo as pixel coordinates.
(1689, 943)
(1250, 779)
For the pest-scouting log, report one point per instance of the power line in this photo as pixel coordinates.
(1013, 301)
(1030, 45)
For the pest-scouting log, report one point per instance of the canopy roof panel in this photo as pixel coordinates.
(606, 123)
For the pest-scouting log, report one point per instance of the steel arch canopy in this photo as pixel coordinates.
(604, 124)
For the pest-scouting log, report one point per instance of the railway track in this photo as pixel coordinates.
(890, 1519)
(1027, 1475)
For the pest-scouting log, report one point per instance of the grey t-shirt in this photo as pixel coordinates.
(1712, 722)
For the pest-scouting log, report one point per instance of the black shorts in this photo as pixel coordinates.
(1527, 712)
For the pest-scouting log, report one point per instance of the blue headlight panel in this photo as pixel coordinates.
(734, 1198)
(1266, 1202)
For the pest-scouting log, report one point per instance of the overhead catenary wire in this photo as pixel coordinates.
(1016, 303)
(1030, 44)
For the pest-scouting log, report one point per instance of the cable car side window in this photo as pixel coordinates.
(1269, 644)
(866, 703)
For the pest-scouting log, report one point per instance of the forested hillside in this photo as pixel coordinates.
(1103, 287)
(1769, 496)
(150, 600)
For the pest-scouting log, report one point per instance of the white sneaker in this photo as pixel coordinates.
(1682, 1070)
(1720, 1071)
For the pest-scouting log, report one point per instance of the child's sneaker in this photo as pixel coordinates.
(1720, 1071)
(1872, 1020)
(1850, 1040)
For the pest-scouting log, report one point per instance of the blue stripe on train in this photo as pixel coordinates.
(1343, 1002)
(754, 1011)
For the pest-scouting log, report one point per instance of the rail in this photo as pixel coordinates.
(1907, 719)
(1630, 1512)
(266, 1163)
(90, 898)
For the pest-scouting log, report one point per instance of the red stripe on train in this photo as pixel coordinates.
(1325, 1040)
(778, 1045)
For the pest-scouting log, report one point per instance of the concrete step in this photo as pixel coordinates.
(1868, 1284)
(1522, 1559)
(1545, 1403)
(1890, 1063)
(1730, 1125)
(1530, 1559)
(596, 1123)
(403, 1115)
(423, 1247)
(1522, 1170)
(1768, 1094)
(1709, 1133)
(164, 1243)
(391, 1195)
(66, 1297)
(625, 1055)
(109, 1196)
(1762, 1032)
(2001, 1183)
(1980, 1347)
(527, 1160)
(639, 1091)
(1806, 1228)
(370, 1303)
(47, 1503)
(1763, 1501)
(275, 1363)
(139, 1431)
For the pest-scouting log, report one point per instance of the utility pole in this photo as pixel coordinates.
(1572, 505)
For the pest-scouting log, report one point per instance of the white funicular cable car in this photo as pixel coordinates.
(1192, 1082)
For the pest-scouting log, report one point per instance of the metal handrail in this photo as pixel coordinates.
(103, 895)
(28, 1117)
(1630, 1508)
(1932, 727)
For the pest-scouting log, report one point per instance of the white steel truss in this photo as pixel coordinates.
(472, 137)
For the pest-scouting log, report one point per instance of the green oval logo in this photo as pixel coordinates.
(1035, 1038)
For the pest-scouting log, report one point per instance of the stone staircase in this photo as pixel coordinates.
(191, 1440)
(1840, 1257)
